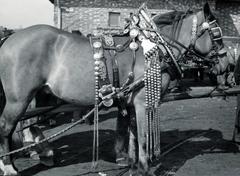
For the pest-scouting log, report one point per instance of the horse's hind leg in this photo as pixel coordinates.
(121, 139)
(133, 149)
(236, 132)
(8, 120)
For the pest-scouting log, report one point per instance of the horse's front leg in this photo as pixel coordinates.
(139, 104)
(236, 132)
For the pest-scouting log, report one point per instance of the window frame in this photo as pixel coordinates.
(118, 20)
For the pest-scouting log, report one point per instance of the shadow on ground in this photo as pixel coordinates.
(77, 148)
(211, 142)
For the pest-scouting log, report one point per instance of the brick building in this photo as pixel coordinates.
(89, 15)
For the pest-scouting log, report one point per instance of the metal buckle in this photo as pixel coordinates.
(216, 29)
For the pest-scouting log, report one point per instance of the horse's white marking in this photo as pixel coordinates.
(38, 138)
(59, 70)
(27, 135)
(1, 165)
(147, 45)
(7, 169)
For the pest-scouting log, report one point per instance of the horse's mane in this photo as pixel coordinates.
(171, 17)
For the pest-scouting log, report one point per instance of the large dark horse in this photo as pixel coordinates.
(43, 55)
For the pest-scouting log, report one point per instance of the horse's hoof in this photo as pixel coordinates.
(10, 171)
(123, 162)
(7, 174)
(34, 155)
(46, 158)
(47, 161)
(222, 87)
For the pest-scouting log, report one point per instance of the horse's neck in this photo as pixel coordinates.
(181, 31)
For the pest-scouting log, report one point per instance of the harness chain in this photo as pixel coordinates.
(100, 74)
(153, 84)
(52, 136)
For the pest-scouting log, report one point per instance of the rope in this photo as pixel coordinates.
(52, 136)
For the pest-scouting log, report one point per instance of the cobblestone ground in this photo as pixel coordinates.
(210, 154)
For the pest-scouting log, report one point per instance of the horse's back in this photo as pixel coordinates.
(43, 54)
(38, 45)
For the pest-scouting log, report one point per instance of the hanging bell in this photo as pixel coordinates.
(134, 33)
(205, 25)
(141, 38)
(97, 45)
(96, 73)
(96, 68)
(133, 46)
(98, 56)
(97, 62)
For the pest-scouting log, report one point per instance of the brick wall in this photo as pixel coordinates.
(87, 15)
(229, 17)
(153, 4)
(87, 20)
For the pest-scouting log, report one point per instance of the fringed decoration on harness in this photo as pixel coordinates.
(153, 84)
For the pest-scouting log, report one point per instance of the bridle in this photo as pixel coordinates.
(215, 33)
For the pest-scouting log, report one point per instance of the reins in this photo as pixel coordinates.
(177, 42)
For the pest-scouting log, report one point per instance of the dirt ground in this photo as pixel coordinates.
(209, 153)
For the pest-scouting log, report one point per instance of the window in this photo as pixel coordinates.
(114, 19)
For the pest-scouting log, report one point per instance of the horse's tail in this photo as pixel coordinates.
(2, 93)
(2, 98)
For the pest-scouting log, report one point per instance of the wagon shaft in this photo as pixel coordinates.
(201, 92)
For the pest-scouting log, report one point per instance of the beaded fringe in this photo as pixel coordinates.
(153, 84)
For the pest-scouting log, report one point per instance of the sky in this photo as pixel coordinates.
(23, 13)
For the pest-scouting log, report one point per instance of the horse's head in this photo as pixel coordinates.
(207, 35)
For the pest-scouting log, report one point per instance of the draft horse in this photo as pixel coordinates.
(187, 33)
(42, 55)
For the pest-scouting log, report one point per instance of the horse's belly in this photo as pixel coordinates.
(73, 88)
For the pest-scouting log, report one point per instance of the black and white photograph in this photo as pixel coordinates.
(120, 87)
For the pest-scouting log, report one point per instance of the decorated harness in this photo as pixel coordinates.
(143, 29)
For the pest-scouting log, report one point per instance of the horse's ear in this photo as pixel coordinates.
(208, 12)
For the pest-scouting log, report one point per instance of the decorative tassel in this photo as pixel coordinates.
(152, 97)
